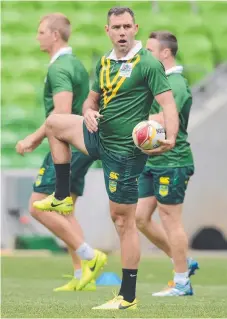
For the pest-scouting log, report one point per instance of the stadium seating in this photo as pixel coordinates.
(201, 28)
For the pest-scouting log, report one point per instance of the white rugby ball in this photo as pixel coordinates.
(146, 134)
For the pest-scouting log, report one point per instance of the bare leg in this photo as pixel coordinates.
(57, 224)
(61, 135)
(171, 216)
(123, 217)
(151, 229)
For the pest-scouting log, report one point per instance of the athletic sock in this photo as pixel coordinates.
(85, 252)
(78, 273)
(181, 278)
(62, 188)
(128, 285)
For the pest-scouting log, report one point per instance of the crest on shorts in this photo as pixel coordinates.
(112, 186)
(114, 175)
(163, 190)
(38, 180)
(40, 176)
(42, 171)
(126, 70)
(164, 180)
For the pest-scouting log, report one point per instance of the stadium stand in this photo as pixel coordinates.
(199, 26)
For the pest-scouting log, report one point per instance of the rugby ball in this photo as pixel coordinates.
(146, 134)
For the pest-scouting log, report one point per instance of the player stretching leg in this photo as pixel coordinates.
(66, 88)
(127, 80)
(165, 177)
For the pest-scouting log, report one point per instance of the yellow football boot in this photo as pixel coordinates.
(118, 303)
(50, 203)
(73, 283)
(91, 268)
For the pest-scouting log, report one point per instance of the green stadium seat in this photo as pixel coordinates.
(217, 30)
(138, 6)
(199, 61)
(180, 7)
(153, 22)
(212, 7)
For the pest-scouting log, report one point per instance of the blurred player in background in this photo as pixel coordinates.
(127, 80)
(66, 88)
(165, 177)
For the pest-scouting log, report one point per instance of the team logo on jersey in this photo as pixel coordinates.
(164, 180)
(106, 84)
(126, 70)
(163, 190)
(112, 186)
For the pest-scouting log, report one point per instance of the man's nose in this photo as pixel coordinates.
(122, 31)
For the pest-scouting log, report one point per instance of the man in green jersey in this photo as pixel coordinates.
(165, 177)
(66, 88)
(127, 80)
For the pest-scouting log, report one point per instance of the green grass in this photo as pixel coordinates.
(27, 284)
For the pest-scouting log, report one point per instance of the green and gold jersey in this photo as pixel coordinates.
(181, 154)
(66, 73)
(127, 88)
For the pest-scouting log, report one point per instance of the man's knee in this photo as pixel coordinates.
(170, 214)
(144, 211)
(123, 217)
(33, 211)
(141, 221)
(51, 122)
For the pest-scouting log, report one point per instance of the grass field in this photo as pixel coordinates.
(27, 284)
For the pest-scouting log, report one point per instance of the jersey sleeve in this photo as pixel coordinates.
(96, 84)
(60, 79)
(179, 93)
(154, 74)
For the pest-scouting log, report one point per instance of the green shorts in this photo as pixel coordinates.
(168, 185)
(45, 181)
(121, 172)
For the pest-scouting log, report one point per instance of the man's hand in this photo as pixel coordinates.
(27, 145)
(91, 119)
(165, 146)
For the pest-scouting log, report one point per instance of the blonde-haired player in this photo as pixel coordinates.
(66, 88)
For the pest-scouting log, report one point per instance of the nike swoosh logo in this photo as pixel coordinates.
(93, 268)
(55, 205)
(132, 275)
(126, 307)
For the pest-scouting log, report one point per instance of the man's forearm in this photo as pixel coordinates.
(39, 134)
(90, 104)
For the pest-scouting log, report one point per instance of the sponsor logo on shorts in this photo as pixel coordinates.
(114, 175)
(163, 190)
(164, 180)
(112, 186)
